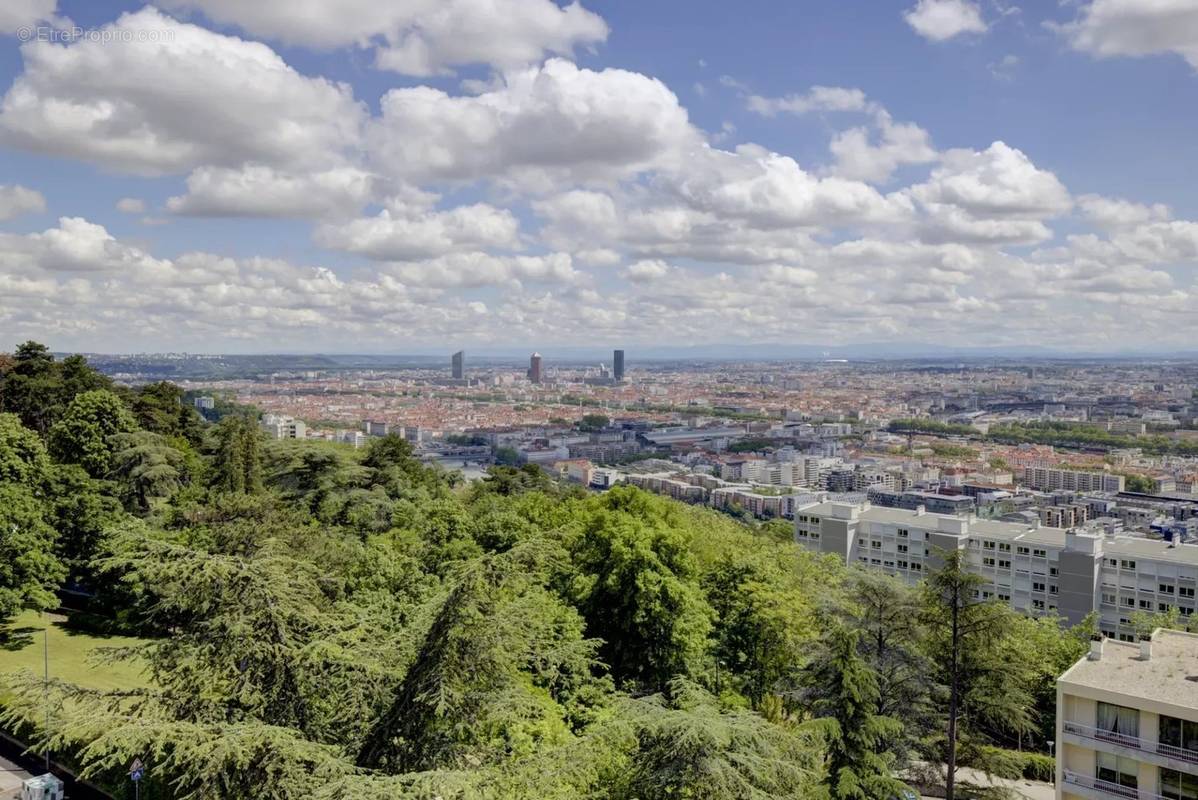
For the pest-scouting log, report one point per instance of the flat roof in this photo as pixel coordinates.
(1170, 676)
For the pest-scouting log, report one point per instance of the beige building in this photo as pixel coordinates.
(1127, 721)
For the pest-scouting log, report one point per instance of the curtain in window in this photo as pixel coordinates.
(1119, 719)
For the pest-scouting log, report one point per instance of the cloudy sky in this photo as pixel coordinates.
(422, 175)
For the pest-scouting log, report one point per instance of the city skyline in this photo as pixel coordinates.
(342, 181)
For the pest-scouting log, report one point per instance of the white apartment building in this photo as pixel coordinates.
(280, 426)
(1037, 569)
(1127, 721)
(1048, 479)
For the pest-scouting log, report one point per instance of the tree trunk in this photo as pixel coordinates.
(951, 777)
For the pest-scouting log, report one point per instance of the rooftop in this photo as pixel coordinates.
(1169, 676)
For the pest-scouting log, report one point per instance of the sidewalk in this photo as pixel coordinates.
(11, 777)
(1031, 790)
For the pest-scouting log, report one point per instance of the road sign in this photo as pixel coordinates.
(136, 770)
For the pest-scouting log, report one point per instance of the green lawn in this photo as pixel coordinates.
(21, 647)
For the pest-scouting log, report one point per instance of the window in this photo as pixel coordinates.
(1185, 591)
(1146, 605)
(989, 562)
(902, 564)
(915, 565)
(1052, 571)
(1037, 587)
(1119, 721)
(1185, 611)
(1108, 599)
(1004, 564)
(902, 533)
(1130, 602)
(1163, 607)
(1004, 547)
(1038, 553)
(1052, 588)
(876, 544)
(1038, 605)
(988, 545)
(1023, 551)
(1110, 562)
(1006, 598)
(1118, 770)
(1179, 733)
(1166, 589)
(814, 535)
(902, 548)
(861, 543)
(1178, 785)
(1126, 564)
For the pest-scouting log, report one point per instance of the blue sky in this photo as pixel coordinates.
(334, 175)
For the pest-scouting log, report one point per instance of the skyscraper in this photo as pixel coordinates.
(459, 365)
(617, 365)
(534, 368)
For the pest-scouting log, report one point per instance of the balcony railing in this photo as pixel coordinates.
(1108, 788)
(1134, 742)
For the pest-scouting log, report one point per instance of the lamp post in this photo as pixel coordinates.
(46, 682)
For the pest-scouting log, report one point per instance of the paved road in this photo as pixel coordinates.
(11, 777)
(1030, 790)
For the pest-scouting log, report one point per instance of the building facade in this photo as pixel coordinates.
(617, 366)
(458, 365)
(1048, 479)
(1037, 569)
(1127, 721)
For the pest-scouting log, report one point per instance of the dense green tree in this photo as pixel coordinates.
(37, 388)
(593, 422)
(764, 620)
(84, 434)
(687, 747)
(146, 468)
(81, 509)
(237, 465)
(969, 650)
(159, 407)
(23, 457)
(636, 583)
(844, 696)
(887, 613)
(29, 570)
(504, 668)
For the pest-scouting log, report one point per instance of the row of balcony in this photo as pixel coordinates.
(1134, 742)
(1109, 788)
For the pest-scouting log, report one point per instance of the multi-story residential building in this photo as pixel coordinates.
(1127, 721)
(1048, 479)
(280, 426)
(1037, 569)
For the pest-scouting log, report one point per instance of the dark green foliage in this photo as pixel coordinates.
(23, 457)
(844, 696)
(503, 669)
(688, 747)
(81, 509)
(84, 435)
(636, 584)
(970, 653)
(509, 481)
(29, 570)
(146, 468)
(237, 465)
(38, 389)
(159, 408)
(593, 422)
